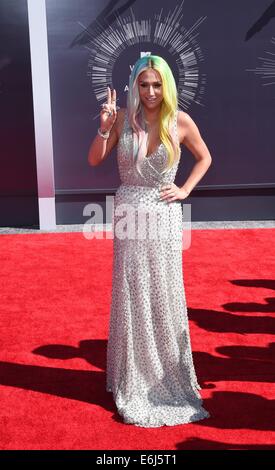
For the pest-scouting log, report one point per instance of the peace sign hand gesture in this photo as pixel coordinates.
(108, 113)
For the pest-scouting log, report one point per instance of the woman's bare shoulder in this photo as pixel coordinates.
(121, 112)
(183, 118)
(184, 122)
(120, 119)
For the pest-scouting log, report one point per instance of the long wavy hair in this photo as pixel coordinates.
(169, 107)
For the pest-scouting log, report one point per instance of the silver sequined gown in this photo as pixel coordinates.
(149, 360)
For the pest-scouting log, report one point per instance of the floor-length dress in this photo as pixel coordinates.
(150, 368)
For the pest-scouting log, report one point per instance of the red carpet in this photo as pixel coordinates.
(55, 299)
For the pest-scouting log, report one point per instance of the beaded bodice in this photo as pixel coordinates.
(151, 166)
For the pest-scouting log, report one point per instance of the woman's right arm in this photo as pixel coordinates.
(110, 121)
(100, 147)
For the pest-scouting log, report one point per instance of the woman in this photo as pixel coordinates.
(150, 369)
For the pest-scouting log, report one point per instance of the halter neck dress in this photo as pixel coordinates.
(150, 369)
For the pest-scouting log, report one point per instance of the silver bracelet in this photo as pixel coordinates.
(104, 135)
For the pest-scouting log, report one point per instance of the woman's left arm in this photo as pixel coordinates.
(189, 135)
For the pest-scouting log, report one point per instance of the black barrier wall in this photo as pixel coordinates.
(231, 100)
(220, 53)
(18, 184)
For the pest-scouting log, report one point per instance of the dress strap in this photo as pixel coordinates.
(126, 119)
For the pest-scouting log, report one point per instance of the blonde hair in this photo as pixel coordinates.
(168, 108)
